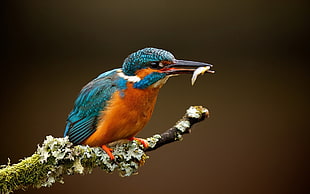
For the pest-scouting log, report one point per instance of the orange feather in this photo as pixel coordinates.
(124, 116)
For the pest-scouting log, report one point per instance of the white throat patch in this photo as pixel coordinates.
(133, 79)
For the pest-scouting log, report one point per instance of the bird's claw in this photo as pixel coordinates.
(108, 151)
(142, 141)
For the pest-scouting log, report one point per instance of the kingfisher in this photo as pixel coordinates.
(118, 103)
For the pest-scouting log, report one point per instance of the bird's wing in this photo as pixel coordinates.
(93, 98)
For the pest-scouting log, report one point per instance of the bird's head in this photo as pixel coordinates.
(158, 64)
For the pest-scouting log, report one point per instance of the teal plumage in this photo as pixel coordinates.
(149, 80)
(143, 58)
(93, 98)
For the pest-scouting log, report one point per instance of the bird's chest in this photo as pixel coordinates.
(127, 112)
(137, 106)
(141, 101)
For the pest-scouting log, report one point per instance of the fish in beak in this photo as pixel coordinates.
(187, 67)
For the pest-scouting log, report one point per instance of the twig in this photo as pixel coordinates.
(194, 114)
(57, 157)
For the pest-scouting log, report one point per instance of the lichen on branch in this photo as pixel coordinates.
(57, 157)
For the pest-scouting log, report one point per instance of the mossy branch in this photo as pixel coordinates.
(57, 157)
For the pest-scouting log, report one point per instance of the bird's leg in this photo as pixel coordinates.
(108, 151)
(142, 141)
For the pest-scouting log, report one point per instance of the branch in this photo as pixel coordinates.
(57, 157)
(194, 114)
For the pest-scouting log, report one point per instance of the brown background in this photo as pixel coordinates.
(256, 139)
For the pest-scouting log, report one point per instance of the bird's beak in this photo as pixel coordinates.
(185, 67)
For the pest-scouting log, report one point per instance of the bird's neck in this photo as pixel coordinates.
(145, 78)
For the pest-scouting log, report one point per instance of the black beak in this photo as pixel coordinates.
(185, 67)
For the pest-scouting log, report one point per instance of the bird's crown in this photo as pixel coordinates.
(146, 58)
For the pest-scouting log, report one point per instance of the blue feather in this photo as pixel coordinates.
(142, 58)
(78, 134)
(149, 80)
(92, 99)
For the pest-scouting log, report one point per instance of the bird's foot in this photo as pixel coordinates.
(108, 151)
(142, 141)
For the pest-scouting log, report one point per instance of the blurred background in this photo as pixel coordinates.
(256, 139)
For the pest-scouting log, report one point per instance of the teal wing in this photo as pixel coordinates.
(93, 98)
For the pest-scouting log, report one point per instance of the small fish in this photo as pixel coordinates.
(201, 71)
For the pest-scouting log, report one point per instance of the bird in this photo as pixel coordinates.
(118, 103)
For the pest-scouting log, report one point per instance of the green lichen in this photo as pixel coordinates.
(153, 140)
(182, 125)
(57, 157)
(29, 171)
(196, 111)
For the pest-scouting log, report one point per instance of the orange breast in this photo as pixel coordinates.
(124, 116)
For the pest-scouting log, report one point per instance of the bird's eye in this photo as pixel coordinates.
(156, 65)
